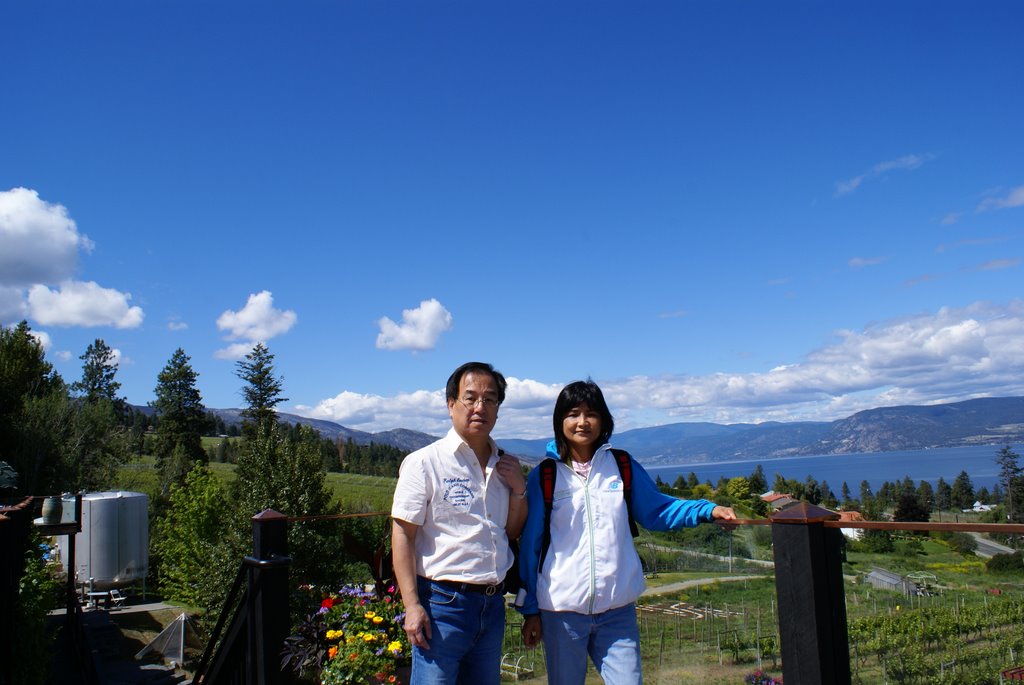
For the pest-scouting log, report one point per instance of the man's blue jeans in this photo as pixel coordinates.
(611, 639)
(465, 645)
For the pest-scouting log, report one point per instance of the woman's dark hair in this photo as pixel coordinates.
(452, 389)
(573, 395)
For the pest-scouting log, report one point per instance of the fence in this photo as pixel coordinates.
(811, 606)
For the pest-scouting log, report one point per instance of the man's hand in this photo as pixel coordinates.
(532, 631)
(511, 474)
(403, 549)
(417, 626)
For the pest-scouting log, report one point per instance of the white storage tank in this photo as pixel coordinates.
(113, 547)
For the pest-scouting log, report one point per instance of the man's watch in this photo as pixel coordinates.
(519, 495)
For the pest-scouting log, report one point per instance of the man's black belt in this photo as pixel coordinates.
(489, 590)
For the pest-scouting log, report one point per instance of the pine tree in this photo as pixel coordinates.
(181, 421)
(847, 496)
(99, 366)
(962, 493)
(758, 482)
(262, 389)
(35, 415)
(1009, 475)
(943, 495)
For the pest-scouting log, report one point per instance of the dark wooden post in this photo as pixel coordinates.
(812, 604)
(269, 617)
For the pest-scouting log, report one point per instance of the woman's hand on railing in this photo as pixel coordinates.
(723, 516)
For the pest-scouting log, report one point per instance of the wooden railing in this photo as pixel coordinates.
(807, 548)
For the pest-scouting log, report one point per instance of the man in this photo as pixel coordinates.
(457, 504)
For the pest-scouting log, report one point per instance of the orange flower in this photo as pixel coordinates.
(332, 652)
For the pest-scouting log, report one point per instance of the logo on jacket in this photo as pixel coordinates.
(457, 493)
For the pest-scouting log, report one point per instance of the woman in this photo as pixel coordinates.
(580, 593)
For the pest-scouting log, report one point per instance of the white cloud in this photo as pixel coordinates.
(43, 338)
(77, 303)
(176, 325)
(997, 264)
(861, 262)
(907, 162)
(419, 330)
(422, 410)
(62, 356)
(39, 247)
(949, 355)
(39, 242)
(234, 351)
(257, 321)
(1015, 198)
(968, 242)
(950, 218)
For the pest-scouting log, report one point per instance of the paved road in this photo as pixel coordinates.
(676, 587)
(989, 548)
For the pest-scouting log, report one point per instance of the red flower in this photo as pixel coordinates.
(327, 603)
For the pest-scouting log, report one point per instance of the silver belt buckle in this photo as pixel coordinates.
(491, 590)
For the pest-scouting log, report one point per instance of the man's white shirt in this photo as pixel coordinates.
(461, 511)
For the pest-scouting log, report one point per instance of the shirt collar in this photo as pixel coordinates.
(453, 441)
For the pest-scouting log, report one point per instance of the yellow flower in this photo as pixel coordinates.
(368, 637)
(334, 634)
(378, 619)
(369, 614)
(395, 648)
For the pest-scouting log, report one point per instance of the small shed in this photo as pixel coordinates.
(887, 580)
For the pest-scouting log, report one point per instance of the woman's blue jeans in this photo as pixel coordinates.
(465, 645)
(611, 640)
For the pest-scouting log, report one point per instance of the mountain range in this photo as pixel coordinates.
(995, 420)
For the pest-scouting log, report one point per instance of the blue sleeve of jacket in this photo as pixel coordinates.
(655, 510)
(529, 544)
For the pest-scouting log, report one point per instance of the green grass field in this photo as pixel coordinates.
(352, 491)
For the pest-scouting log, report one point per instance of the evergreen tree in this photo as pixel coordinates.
(278, 472)
(812, 490)
(181, 421)
(847, 496)
(1009, 475)
(962, 493)
(281, 467)
(910, 508)
(943, 495)
(35, 415)
(99, 366)
(758, 482)
(828, 498)
(103, 437)
(262, 389)
(866, 497)
(926, 495)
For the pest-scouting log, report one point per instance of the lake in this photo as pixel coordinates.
(876, 467)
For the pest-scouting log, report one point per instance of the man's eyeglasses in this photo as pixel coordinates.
(485, 402)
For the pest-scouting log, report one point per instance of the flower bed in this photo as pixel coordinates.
(354, 636)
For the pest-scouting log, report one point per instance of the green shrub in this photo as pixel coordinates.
(36, 597)
(1006, 563)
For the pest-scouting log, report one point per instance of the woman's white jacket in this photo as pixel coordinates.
(591, 565)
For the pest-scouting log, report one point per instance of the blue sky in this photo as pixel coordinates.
(730, 212)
